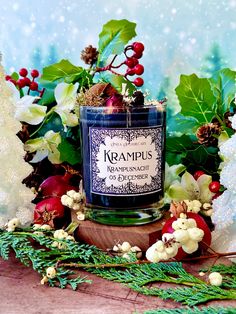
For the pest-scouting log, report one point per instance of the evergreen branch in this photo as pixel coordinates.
(194, 310)
(134, 273)
(223, 269)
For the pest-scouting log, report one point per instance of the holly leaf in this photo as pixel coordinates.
(224, 89)
(176, 148)
(66, 71)
(114, 36)
(69, 152)
(196, 98)
(205, 158)
(179, 144)
(117, 81)
(179, 123)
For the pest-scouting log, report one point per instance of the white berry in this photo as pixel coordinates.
(190, 247)
(51, 272)
(215, 279)
(125, 247)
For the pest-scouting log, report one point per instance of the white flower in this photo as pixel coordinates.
(44, 280)
(152, 254)
(193, 206)
(45, 147)
(29, 112)
(71, 193)
(70, 238)
(51, 272)
(65, 95)
(77, 197)
(60, 234)
(190, 247)
(64, 199)
(125, 246)
(13, 224)
(77, 206)
(80, 216)
(191, 189)
(215, 279)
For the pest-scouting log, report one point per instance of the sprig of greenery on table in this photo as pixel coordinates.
(134, 274)
(194, 310)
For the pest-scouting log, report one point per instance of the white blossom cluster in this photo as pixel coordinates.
(61, 234)
(15, 198)
(125, 249)
(224, 216)
(75, 201)
(186, 235)
(196, 206)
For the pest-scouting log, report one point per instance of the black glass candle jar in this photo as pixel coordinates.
(123, 163)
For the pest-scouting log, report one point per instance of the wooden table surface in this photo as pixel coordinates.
(22, 293)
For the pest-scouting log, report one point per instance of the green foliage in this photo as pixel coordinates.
(114, 36)
(135, 275)
(40, 258)
(196, 98)
(194, 310)
(224, 89)
(66, 71)
(181, 124)
(189, 296)
(117, 81)
(223, 269)
(69, 152)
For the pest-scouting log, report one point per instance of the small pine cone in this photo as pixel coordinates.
(208, 134)
(89, 55)
(227, 115)
(138, 99)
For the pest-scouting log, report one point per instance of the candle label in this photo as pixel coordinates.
(125, 161)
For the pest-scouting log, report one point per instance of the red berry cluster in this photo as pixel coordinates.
(25, 81)
(132, 62)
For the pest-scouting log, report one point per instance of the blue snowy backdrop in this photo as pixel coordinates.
(179, 36)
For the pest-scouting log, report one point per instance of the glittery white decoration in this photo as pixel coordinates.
(15, 198)
(224, 216)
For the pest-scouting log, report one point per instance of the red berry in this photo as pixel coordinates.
(23, 72)
(137, 55)
(138, 47)
(13, 81)
(214, 186)
(138, 81)
(7, 77)
(27, 81)
(216, 195)
(139, 69)
(34, 86)
(21, 83)
(198, 174)
(130, 72)
(35, 73)
(131, 62)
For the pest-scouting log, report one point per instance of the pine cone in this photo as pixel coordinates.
(208, 134)
(138, 99)
(89, 55)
